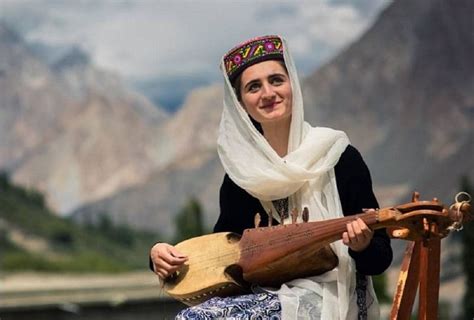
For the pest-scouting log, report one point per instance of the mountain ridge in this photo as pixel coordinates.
(74, 132)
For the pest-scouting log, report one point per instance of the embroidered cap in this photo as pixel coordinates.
(250, 52)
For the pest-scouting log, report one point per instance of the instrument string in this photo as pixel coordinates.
(310, 233)
(320, 229)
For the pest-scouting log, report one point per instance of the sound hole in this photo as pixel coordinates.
(178, 275)
(235, 272)
(233, 237)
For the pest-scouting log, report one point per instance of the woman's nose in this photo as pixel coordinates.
(267, 91)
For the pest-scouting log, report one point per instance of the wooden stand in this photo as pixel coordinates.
(421, 264)
(420, 267)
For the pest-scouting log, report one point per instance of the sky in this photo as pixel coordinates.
(168, 47)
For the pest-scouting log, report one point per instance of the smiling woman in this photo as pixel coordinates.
(267, 92)
(276, 163)
(267, 97)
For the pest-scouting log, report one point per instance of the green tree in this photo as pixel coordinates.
(188, 221)
(380, 287)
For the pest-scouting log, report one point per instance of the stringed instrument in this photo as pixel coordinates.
(226, 263)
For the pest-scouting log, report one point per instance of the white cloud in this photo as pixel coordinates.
(170, 38)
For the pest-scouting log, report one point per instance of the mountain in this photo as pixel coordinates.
(170, 92)
(404, 93)
(31, 100)
(152, 205)
(75, 132)
(194, 128)
(194, 172)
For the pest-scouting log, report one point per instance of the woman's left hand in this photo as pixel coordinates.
(358, 235)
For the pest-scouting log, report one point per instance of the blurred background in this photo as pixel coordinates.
(108, 123)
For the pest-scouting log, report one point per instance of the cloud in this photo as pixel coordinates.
(148, 38)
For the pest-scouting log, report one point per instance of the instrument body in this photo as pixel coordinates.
(214, 268)
(209, 270)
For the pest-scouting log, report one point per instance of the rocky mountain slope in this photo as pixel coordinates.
(195, 171)
(31, 100)
(403, 92)
(73, 131)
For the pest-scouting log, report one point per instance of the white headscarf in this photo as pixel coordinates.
(305, 175)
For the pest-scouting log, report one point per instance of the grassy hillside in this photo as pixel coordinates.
(34, 238)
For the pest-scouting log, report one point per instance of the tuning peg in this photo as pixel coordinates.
(294, 215)
(270, 217)
(257, 219)
(305, 215)
(415, 197)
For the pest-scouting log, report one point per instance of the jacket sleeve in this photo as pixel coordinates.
(150, 264)
(223, 222)
(357, 194)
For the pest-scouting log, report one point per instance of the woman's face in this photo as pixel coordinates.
(266, 92)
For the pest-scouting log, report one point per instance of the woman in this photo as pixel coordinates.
(274, 161)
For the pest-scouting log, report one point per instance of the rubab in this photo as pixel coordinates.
(224, 264)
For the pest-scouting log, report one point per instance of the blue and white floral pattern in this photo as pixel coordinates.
(257, 306)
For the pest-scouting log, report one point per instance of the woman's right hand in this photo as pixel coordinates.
(166, 259)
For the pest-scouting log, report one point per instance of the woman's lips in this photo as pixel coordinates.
(270, 105)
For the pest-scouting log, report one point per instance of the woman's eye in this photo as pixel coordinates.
(253, 87)
(277, 80)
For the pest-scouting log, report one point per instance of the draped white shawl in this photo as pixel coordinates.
(305, 175)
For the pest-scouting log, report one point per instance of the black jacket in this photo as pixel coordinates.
(355, 191)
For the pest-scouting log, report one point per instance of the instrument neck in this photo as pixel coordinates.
(260, 246)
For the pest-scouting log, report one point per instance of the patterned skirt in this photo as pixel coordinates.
(250, 306)
(266, 305)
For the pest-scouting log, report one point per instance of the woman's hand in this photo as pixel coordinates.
(166, 259)
(358, 235)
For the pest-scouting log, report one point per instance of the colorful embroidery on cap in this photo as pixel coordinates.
(239, 57)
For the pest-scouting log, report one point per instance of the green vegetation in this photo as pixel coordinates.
(189, 222)
(67, 246)
(380, 287)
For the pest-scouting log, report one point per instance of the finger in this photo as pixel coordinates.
(345, 238)
(169, 268)
(362, 231)
(175, 253)
(162, 273)
(170, 259)
(366, 231)
(166, 272)
(350, 232)
(359, 236)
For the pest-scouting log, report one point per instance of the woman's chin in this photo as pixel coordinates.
(274, 117)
